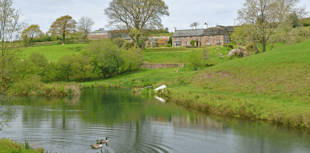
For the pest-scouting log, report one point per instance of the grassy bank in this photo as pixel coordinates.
(273, 86)
(8, 146)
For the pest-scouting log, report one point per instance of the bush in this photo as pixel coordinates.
(230, 45)
(168, 45)
(127, 45)
(132, 59)
(252, 48)
(105, 58)
(195, 59)
(119, 41)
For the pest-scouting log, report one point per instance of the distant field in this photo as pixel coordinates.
(182, 54)
(54, 52)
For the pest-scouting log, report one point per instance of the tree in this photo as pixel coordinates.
(32, 31)
(263, 17)
(64, 25)
(136, 14)
(284, 8)
(10, 30)
(85, 24)
(260, 14)
(294, 20)
(105, 57)
(194, 24)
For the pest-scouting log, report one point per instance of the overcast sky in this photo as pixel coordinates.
(182, 12)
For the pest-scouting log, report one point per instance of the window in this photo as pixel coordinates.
(209, 36)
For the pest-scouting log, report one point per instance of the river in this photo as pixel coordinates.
(140, 124)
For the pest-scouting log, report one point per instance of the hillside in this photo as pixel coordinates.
(54, 52)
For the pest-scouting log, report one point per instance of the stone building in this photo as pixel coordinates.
(202, 37)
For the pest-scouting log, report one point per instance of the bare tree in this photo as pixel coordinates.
(194, 25)
(284, 8)
(136, 14)
(259, 13)
(10, 30)
(85, 24)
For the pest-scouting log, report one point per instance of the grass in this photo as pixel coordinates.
(273, 86)
(7, 146)
(54, 52)
(181, 54)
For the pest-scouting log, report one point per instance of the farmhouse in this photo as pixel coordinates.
(202, 37)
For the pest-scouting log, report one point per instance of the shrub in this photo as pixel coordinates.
(252, 48)
(119, 41)
(195, 59)
(168, 45)
(230, 45)
(127, 45)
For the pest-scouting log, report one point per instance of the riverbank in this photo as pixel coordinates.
(273, 86)
(7, 145)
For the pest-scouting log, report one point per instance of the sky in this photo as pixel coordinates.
(182, 12)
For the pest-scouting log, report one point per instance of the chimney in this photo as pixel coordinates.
(206, 26)
(175, 29)
(194, 27)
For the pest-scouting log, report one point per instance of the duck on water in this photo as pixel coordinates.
(101, 141)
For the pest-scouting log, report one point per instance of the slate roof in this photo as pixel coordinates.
(214, 32)
(188, 33)
(229, 28)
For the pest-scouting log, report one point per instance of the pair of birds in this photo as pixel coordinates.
(99, 143)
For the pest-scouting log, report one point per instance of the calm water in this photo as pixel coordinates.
(135, 124)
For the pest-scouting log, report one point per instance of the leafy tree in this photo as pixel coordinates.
(64, 25)
(139, 15)
(10, 30)
(32, 31)
(105, 57)
(85, 24)
(294, 20)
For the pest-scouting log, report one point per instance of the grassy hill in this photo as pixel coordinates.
(54, 52)
(272, 86)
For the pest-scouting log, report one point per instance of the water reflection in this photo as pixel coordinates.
(136, 124)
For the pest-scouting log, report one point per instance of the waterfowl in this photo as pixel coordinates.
(102, 141)
(96, 146)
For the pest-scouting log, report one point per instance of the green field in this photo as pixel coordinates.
(54, 52)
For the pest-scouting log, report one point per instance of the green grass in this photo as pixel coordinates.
(181, 55)
(8, 146)
(273, 86)
(143, 75)
(54, 52)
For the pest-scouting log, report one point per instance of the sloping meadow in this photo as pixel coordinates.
(273, 86)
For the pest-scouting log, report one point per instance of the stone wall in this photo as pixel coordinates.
(161, 66)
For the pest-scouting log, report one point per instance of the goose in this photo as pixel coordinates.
(102, 141)
(96, 146)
